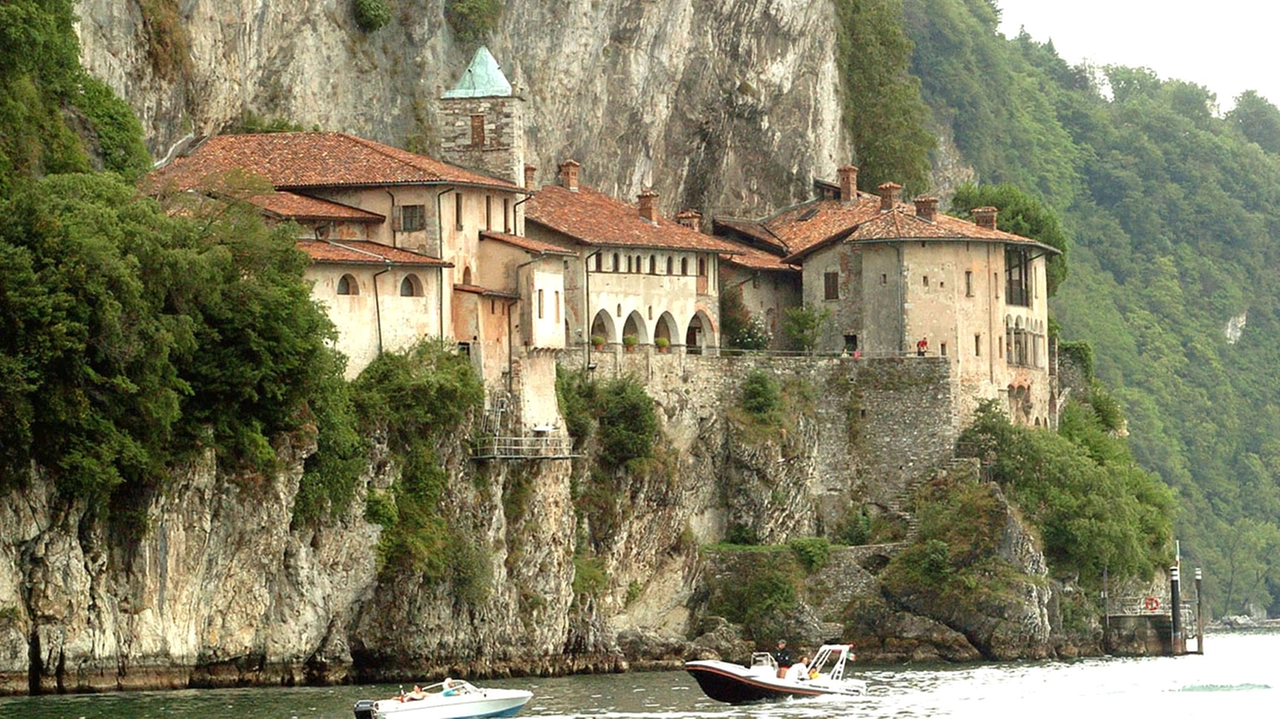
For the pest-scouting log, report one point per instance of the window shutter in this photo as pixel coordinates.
(397, 219)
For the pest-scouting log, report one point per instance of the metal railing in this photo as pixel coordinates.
(523, 448)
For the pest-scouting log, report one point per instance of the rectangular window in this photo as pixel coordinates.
(599, 262)
(884, 279)
(506, 215)
(943, 348)
(996, 283)
(977, 345)
(477, 130)
(831, 286)
(926, 280)
(457, 210)
(968, 283)
(557, 306)
(412, 218)
(539, 304)
(488, 212)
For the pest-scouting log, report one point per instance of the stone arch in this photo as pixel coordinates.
(603, 326)
(635, 325)
(411, 286)
(700, 335)
(667, 328)
(348, 285)
(466, 276)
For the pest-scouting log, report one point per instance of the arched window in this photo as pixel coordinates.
(347, 285)
(684, 265)
(702, 267)
(669, 270)
(616, 263)
(653, 264)
(599, 262)
(466, 275)
(411, 286)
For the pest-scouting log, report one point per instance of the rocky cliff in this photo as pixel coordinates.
(720, 105)
(224, 591)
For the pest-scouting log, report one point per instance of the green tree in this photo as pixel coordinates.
(882, 106)
(1258, 120)
(804, 326)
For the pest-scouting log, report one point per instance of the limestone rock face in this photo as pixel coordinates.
(716, 104)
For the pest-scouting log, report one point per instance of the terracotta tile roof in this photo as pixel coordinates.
(754, 259)
(528, 243)
(485, 292)
(748, 228)
(299, 160)
(365, 253)
(289, 205)
(829, 221)
(594, 218)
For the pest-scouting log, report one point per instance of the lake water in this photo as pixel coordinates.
(1238, 677)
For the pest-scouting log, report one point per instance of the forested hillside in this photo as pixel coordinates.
(1170, 204)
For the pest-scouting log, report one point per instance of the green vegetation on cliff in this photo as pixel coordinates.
(1167, 203)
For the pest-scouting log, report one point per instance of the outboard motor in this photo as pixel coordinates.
(364, 709)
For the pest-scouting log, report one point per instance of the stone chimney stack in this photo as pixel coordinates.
(848, 183)
(927, 208)
(530, 176)
(649, 206)
(691, 219)
(985, 217)
(569, 174)
(889, 195)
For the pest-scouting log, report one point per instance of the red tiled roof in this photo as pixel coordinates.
(830, 221)
(754, 259)
(289, 205)
(594, 218)
(751, 228)
(528, 243)
(485, 292)
(359, 252)
(311, 160)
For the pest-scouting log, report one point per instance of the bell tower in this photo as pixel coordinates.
(482, 122)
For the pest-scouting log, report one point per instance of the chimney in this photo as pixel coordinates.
(889, 195)
(927, 208)
(569, 174)
(848, 183)
(530, 176)
(985, 217)
(648, 206)
(691, 219)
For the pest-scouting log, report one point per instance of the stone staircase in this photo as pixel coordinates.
(899, 505)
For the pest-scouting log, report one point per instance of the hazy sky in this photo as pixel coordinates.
(1228, 46)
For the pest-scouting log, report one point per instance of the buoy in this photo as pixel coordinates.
(1151, 604)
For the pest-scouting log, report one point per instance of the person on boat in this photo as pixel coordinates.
(449, 688)
(783, 657)
(799, 671)
(416, 694)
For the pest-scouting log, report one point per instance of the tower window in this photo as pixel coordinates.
(831, 285)
(477, 130)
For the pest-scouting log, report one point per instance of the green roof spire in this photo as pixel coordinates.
(483, 78)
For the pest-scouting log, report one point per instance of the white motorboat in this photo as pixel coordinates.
(449, 699)
(736, 684)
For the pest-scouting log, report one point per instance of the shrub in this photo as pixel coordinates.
(742, 331)
(804, 326)
(628, 423)
(630, 340)
(811, 552)
(597, 340)
(372, 15)
(471, 20)
(762, 396)
(661, 343)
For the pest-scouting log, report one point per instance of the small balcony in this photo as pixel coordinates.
(515, 448)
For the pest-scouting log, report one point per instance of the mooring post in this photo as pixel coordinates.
(1179, 645)
(1199, 615)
